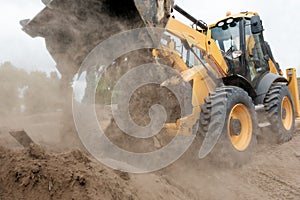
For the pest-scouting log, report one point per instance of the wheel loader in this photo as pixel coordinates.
(238, 87)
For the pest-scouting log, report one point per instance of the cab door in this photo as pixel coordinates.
(255, 53)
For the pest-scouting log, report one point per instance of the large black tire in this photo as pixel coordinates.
(279, 107)
(222, 104)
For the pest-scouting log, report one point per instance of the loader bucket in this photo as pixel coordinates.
(153, 12)
(72, 28)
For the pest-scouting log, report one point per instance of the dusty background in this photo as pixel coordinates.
(57, 167)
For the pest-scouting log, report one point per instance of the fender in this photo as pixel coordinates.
(264, 85)
(240, 81)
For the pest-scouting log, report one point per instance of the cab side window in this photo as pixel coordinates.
(255, 58)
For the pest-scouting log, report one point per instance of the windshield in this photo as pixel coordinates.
(227, 34)
(194, 57)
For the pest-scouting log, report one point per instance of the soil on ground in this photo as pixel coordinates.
(46, 172)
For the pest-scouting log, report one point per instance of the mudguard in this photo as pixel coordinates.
(264, 85)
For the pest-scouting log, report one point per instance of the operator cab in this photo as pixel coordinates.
(241, 42)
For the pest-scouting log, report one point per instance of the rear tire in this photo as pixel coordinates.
(238, 132)
(279, 107)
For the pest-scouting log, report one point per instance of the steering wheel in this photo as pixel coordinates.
(229, 51)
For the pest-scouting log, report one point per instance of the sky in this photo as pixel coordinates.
(15, 45)
(280, 20)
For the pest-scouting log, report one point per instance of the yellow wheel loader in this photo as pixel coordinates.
(237, 86)
(235, 79)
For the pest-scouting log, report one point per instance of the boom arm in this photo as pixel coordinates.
(199, 23)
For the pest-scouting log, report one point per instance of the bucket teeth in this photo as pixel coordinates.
(46, 2)
(24, 22)
(22, 137)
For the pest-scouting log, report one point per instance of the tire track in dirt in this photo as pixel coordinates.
(182, 189)
(276, 187)
(274, 171)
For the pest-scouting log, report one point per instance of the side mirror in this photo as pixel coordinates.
(256, 25)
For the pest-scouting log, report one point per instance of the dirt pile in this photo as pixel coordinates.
(34, 173)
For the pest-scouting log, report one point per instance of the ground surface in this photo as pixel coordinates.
(46, 173)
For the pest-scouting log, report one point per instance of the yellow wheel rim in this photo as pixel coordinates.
(286, 113)
(240, 117)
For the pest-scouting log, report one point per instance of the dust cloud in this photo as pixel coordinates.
(58, 167)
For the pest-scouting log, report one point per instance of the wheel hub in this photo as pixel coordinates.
(240, 127)
(286, 113)
(235, 127)
(283, 114)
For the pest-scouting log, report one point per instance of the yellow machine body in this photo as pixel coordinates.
(293, 86)
(202, 41)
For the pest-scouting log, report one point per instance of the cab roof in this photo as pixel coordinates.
(238, 15)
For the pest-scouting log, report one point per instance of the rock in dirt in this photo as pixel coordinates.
(37, 152)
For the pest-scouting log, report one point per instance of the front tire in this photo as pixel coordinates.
(279, 107)
(238, 130)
